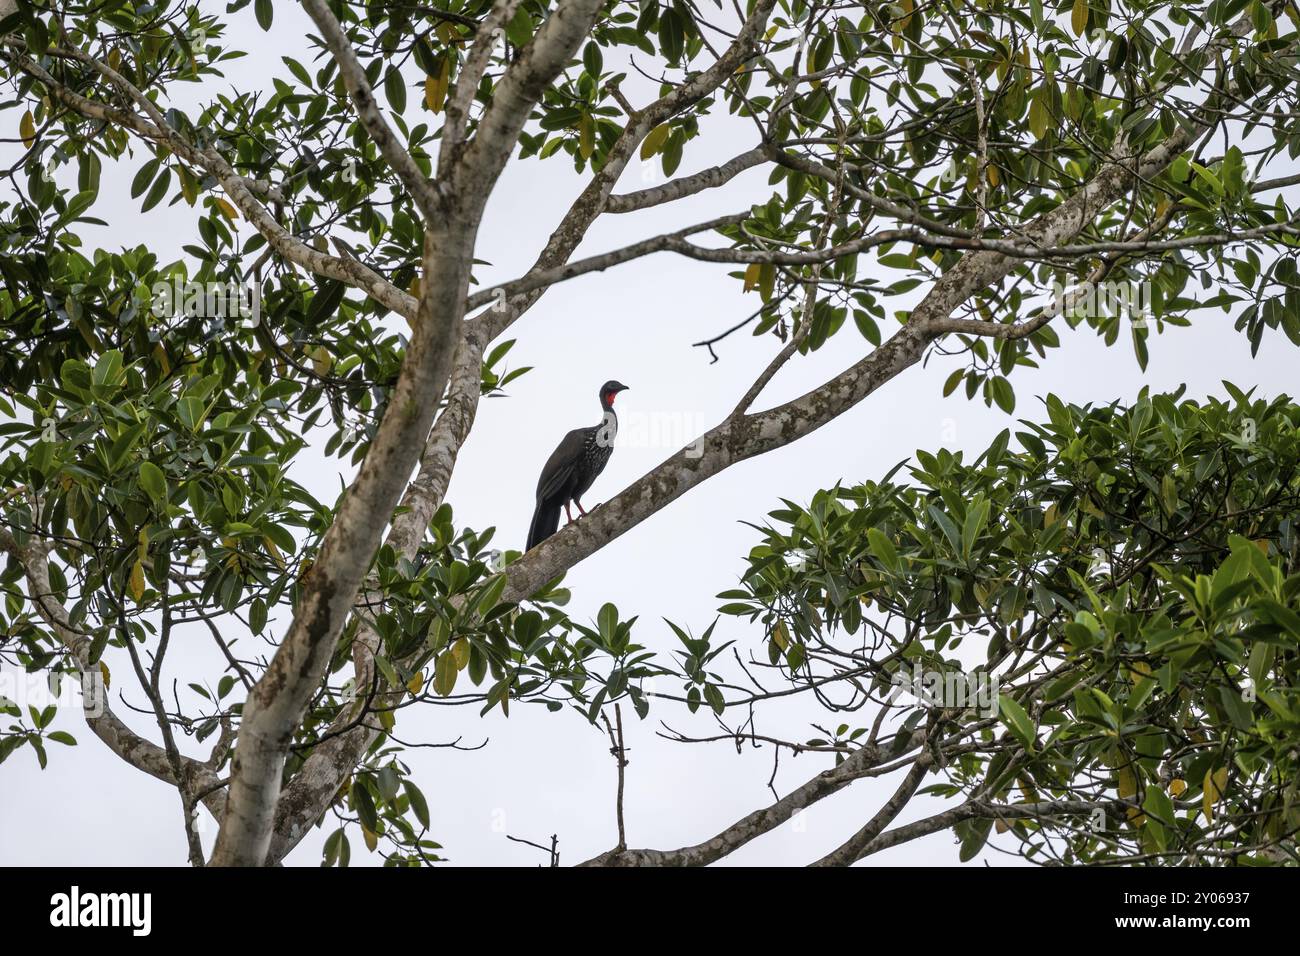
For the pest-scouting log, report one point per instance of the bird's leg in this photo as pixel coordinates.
(581, 509)
(567, 513)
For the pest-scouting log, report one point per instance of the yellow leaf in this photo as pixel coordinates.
(655, 140)
(780, 635)
(1079, 17)
(372, 841)
(1138, 670)
(1214, 785)
(1128, 786)
(586, 136)
(460, 653)
(751, 275)
(103, 672)
(321, 360)
(114, 58)
(435, 87)
(991, 172)
(27, 129)
(227, 210)
(274, 551)
(1177, 787)
(416, 683)
(137, 580)
(444, 674)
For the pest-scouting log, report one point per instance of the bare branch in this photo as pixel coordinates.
(710, 178)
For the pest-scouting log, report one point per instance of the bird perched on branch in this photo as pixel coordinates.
(573, 466)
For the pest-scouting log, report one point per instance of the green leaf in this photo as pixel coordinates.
(607, 622)
(143, 178)
(1016, 719)
(364, 804)
(1003, 394)
(592, 61)
(388, 781)
(395, 89)
(882, 548)
(671, 38)
(973, 834)
(491, 595)
(974, 524)
(158, 190)
(419, 806)
(1159, 811)
(264, 13)
(153, 481)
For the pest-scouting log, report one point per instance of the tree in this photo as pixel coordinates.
(1124, 589)
(985, 151)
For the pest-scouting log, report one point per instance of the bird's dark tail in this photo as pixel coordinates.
(546, 519)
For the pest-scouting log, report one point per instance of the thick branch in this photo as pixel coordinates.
(277, 702)
(852, 848)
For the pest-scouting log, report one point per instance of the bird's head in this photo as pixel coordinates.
(608, 391)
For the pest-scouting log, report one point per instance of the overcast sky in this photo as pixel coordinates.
(543, 773)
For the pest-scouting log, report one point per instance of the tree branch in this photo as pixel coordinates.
(426, 193)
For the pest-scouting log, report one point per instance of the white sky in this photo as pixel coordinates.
(552, 773)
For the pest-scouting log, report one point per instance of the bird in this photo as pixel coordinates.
(573, 466)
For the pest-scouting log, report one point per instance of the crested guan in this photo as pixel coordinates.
(573, 466)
